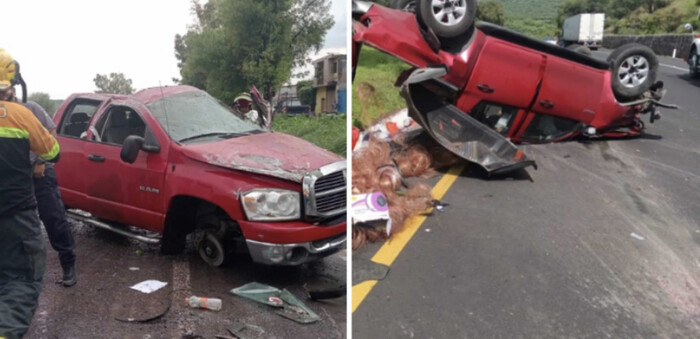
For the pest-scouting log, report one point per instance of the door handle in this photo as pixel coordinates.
(485, 88)
(97, 158)
(546, 104)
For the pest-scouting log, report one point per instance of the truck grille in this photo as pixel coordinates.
(325, 191)
(330, 192)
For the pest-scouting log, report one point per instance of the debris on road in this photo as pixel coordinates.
(213, 304)
(390, 177)
(637, 236)
(328, 293)
(133, 268)
(363, 270)
(244, 331)
(149, 286)
(291, 307)
(136, 306)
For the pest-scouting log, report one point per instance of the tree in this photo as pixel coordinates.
(237, 43)
(491, 11)
(44, 100)
(652, 5)
(115, 83)
(306, 92)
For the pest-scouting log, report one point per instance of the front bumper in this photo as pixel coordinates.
(295, 254)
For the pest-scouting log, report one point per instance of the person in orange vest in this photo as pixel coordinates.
(52, 212)
(22, 252)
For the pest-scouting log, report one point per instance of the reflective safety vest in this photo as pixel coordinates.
(20, 132)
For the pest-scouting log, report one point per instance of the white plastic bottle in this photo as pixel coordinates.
(213, 304)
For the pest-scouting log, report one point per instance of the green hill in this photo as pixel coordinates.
(538, 18)
(531, 9)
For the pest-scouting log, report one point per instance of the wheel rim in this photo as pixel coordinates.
(634, 71)
(449, 12)
(211, 250)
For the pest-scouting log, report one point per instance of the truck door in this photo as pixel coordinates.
(504, 73)
(73, 124)
(570, 90)
(119, 191)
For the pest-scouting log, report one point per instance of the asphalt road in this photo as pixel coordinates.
(108, 264)
(601, 242)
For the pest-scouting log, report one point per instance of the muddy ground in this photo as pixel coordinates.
(101, 304)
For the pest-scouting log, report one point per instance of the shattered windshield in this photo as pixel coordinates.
(189, 115)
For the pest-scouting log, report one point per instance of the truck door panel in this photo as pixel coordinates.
(561, 79)
(504, 73)
(119, 191)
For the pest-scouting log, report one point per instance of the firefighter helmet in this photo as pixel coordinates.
(8, 68)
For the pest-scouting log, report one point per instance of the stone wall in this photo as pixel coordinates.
(662, 44)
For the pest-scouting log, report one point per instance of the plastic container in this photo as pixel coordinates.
(213, 304)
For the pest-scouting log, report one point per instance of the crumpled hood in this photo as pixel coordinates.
(275, 154)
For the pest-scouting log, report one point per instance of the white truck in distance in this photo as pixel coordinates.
(585, 29)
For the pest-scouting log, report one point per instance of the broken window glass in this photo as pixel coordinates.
(196, 113)
(545, 127)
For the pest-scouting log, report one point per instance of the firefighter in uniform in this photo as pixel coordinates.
(22, 252)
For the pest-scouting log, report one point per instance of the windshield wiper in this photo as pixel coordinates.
(204, 136)
(238, 134)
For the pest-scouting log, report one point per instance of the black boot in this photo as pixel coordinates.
(69, 278)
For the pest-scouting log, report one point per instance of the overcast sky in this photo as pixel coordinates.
(61, 45)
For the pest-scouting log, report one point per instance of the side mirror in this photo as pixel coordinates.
(130, 148)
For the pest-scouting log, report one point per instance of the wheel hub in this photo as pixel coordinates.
(449, 12)
(633, 71)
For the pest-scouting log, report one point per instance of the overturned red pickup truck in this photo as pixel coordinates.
(475, 87)
(175, 161)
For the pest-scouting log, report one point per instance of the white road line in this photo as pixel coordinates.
(675, 67)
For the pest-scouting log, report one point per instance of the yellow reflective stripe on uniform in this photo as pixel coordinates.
(15, 133)
(53, 153)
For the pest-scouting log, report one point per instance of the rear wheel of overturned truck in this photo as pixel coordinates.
(634, 68)
(447, 18)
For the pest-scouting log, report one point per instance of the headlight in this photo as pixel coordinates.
(272, 204)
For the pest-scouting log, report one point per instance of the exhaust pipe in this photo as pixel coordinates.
(88, 220)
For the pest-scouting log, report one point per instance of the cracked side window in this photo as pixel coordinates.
(497, 117)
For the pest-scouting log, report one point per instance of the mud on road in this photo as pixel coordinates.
(102, 304)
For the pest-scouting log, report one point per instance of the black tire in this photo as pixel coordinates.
(404, 5)
(465, 22)
(634, 68)
(580, 49)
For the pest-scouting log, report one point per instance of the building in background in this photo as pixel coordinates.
(330, 84)
(286, 95)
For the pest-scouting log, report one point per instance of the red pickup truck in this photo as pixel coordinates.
(175, 161)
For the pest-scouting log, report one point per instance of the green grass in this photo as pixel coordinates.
(326, 131)
(532, 9)
(379, 70)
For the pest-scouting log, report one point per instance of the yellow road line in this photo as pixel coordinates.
(391, 249)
